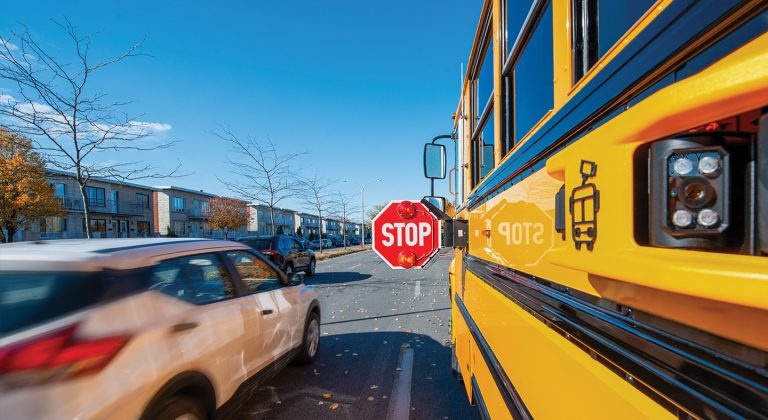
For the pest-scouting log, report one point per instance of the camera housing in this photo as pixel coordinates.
(698, 187)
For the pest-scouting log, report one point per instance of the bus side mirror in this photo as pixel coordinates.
(434, 161)
(438, 202)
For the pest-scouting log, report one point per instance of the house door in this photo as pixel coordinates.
(123, 228)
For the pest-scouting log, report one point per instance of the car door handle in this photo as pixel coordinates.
(184, 326)
(266, 311)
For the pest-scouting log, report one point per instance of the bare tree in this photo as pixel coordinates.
(318, 198)
(264, 175)
(343, 205)
(71, 125)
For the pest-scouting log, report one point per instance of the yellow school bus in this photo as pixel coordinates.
(611, 227)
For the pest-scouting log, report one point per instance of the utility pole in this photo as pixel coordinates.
(362, 211)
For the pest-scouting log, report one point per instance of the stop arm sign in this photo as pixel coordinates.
(406, 234)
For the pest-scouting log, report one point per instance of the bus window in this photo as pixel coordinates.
(484, 83)
(532, 76)
(598, 25)
(482, 155)
(517, 11)
(483, 159)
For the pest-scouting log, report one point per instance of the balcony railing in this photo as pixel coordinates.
(198, 213)
(117, 207)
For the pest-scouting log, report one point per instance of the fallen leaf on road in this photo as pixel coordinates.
(334, 406)
(370, 398)
(320, 403)
(327, 395)
(354, 354)
(374, 386)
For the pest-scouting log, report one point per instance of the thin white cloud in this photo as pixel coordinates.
(9, 45)
(137, 128)
(151, 126)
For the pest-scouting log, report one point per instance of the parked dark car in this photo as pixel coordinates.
(285, 251)
(303, 241)
(353, 241)
(337, 241)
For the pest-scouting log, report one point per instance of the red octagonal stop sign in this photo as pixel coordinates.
(405, 234)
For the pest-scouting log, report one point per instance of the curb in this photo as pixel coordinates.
(323, 257)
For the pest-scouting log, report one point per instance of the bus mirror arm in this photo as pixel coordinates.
(434, 210)
(454, 230)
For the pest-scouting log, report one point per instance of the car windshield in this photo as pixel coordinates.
(258, 244)
(27, 299)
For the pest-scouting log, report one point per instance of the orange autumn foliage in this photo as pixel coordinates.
(25, 195)
(227, 214)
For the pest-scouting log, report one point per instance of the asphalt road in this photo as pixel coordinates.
(380, 328)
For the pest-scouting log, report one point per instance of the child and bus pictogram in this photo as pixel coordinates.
(584, 204)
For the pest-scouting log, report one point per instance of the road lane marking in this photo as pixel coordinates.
(400, 402)
(417, 291)
(355, 266)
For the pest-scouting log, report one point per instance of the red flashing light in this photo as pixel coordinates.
(406, 209)
(406, 259)
(269, 252)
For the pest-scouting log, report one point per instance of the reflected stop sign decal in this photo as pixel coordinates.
(406, 234)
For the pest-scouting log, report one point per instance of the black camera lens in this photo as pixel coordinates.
(696, 192)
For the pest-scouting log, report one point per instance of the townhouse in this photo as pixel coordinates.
(117, 210)
(185, 212)
(260, 223)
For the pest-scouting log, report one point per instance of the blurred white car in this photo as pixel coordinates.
(144, 328)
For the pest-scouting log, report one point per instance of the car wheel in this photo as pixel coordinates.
(311, 270)
(180, 408)
(311, 343)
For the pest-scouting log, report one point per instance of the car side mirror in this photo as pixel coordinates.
(434, 161)
(297, 279)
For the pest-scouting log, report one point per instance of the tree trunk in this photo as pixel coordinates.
(320, 217)
(86, 211)
(10, 232)
(272, 219)
(226, 232)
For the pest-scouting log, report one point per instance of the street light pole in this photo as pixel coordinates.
(362, 211)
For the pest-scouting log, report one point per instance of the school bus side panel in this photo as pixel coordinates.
(554, 377)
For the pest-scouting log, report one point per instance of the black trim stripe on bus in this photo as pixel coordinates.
(477, 397)
(512, 399)
(669, 33)
(685, 376)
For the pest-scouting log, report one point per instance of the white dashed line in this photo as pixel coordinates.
(400, 403)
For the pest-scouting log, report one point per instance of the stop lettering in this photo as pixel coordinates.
(406, 234)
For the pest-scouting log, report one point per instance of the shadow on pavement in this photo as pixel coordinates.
(336, 277)
(353, 377)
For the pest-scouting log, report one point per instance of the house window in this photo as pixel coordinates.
(97, 226)
(53, 224)
(59, 189)
(142, 200)
(95, 196)
(179, 227)
(142, 228)
(177, 204)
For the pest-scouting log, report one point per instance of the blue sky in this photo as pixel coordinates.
(359, 85)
